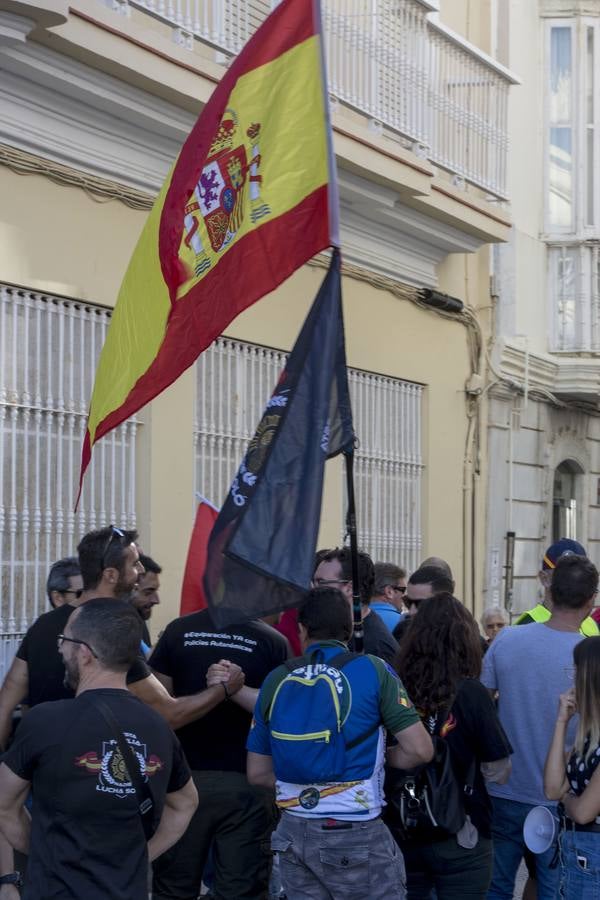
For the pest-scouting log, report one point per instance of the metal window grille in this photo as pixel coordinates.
(234, 381)
(49, 347)
(388, 469)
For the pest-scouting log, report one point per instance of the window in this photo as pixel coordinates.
(234, 381)
(572, 202)
(560, 174)
(574, 276)
(49, 347)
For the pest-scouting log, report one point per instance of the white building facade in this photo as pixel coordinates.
(544, 379)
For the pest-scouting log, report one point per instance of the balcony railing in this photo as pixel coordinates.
(388, 60)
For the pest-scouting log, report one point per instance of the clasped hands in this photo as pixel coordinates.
(226, 673)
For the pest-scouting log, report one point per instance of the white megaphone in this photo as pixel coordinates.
(539, 829)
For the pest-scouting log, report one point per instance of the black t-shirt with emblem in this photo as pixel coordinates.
(473, 731)
(87, 838)
(185, 651)
(39, 649)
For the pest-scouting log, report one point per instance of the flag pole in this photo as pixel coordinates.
(351, 531)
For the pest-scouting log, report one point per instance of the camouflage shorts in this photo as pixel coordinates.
(361, 862)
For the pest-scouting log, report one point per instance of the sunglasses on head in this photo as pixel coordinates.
(115, 532)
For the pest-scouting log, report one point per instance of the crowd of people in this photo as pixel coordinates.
(274, 758)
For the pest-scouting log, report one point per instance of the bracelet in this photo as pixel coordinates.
(224, 686)
(12, 878)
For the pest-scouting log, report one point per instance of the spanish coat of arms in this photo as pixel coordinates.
(218, 197)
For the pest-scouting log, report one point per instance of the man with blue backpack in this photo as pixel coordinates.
(319, 739)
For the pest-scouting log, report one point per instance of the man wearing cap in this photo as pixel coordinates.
(529, 668)
(543, 611)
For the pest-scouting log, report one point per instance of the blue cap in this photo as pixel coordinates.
(564, 547)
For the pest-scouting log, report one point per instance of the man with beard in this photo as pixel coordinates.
(145, 596)
(110, 568)
(86, 838)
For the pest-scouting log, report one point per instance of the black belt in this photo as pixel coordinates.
(574, 826)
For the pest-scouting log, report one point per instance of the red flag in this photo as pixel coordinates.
(192, 589)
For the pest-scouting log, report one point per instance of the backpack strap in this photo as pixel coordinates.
(290, 665)
(338, 662)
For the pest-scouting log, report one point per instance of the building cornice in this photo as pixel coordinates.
(566, 378)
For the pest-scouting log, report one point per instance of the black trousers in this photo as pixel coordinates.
(237, 820)
(455, 873)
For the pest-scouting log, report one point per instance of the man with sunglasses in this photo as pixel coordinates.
(422, 584)
(64, 582)
(389, 589)
(86, 839)
(110, 568)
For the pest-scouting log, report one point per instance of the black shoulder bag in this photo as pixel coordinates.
(142, 788)
(428, 802)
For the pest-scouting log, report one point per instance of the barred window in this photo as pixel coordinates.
(49, 348)
(234, 381)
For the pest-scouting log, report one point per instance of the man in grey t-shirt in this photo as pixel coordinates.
(530, 667)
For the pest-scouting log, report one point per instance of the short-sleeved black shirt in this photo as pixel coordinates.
(473, 729)
(378, 640)
(39, 649)
(87, 839)
(185, 651)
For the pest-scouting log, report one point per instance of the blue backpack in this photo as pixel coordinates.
(306, 719)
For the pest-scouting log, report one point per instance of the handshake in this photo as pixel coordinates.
(228, 674)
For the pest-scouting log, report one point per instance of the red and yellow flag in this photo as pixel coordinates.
(250, 198)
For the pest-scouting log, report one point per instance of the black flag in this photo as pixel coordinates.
(262, 547)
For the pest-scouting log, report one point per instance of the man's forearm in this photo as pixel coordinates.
(266, 780)
(16, 828)
(181, 711)
(246, 697)
(176, 815)
(414, 748)
(178, 711)
(14, 690)
(173, 823)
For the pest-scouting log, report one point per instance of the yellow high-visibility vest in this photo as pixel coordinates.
(541, 613)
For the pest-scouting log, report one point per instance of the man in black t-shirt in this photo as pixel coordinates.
(110, 567)
(85, 838)
(234, 817)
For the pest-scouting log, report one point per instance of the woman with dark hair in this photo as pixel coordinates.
(440, 662)
(577, 783)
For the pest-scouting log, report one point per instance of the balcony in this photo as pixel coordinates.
(574, 288)
(413, 78)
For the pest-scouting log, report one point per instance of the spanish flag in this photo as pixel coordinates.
(251, 197)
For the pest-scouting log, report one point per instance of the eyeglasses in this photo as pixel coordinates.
(401, 588)
(114, 531)
(77, 593)
(327, 582)
(410, 603)
(63, 637)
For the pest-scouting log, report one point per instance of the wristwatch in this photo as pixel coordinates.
(12, 878)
